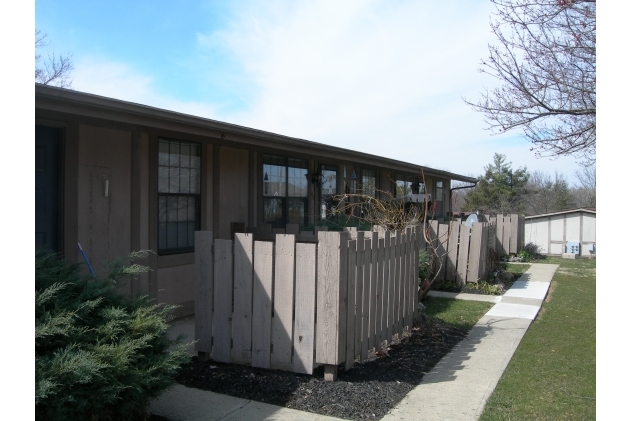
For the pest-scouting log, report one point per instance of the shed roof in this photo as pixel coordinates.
(588, 210)
(51, 101)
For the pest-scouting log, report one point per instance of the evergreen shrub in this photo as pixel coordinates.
(99, 355)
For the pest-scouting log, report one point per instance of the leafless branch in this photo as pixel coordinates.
(54, 70)
(546, 61)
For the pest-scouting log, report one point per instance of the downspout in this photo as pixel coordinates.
(458, 188)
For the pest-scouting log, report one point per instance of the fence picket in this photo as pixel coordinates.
(366, 299)
(331, 296)
(379, 315)
(262, 304)
(391, 286)
(350, 315)
(452, 251)
(463, 255)
(282, 325)
(304, 334)
(242, 315)
(204, 291)
(474, 252)
(443, 238)
(359, 292)
(372, 321)
(412, 256)
(514, 230)
(506, 235)
(222, 325)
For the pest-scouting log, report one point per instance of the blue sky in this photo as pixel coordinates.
(383, 77)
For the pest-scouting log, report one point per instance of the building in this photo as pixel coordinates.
(116, 176)
(553, 232)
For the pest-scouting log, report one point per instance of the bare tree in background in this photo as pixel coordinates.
(546, 62)
(547, 194)
(584, 191)
(54, 70)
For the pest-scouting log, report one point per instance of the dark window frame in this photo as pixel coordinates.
(169, 196)
(286, 198)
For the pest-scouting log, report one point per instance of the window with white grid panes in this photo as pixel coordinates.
(179, 177)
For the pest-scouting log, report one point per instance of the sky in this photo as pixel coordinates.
(382, 77)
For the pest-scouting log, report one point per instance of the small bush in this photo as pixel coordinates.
(98, 354)
(529, 252)
(424, 265)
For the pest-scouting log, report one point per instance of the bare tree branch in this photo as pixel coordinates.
(55, 70)
(546, 61)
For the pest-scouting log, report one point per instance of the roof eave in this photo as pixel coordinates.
(88, 103)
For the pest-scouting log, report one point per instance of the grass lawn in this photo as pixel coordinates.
(552, 375)
(460, 313)
(517, 269)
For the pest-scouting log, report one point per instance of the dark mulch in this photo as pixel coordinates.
(369, 390)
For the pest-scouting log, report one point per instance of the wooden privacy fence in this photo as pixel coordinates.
(509, 234)
(462, 250)
(293, 305)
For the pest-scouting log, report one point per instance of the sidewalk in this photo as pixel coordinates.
(456, 389)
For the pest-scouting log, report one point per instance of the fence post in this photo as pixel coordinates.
(204, 293)
(331, 301)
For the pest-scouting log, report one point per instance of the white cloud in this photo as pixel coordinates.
(102, 76)
(382, 77)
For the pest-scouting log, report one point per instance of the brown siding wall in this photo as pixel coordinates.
(104, 222)
(233, 188)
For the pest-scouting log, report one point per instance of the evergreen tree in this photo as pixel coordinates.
(98, 354)
(500, 190)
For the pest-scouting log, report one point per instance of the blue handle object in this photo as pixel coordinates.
(87, 262)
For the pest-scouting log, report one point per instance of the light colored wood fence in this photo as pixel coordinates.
(462, 250)
(293, 305)
(509, 233)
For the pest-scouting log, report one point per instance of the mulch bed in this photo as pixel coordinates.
(369, 390)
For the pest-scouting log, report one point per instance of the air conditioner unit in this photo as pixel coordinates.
(573, 247)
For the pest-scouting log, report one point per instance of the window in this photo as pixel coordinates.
(328, 189)
(369, 182)
(403, 185)
(178, 195)
(439, 198)
(285, 190)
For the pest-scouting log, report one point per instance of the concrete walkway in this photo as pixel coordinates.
(457, 388)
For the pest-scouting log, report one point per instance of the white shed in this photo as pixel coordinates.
(553, 231)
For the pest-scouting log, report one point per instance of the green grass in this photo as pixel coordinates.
(517, 269)
(552, 375)
(458, 313)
